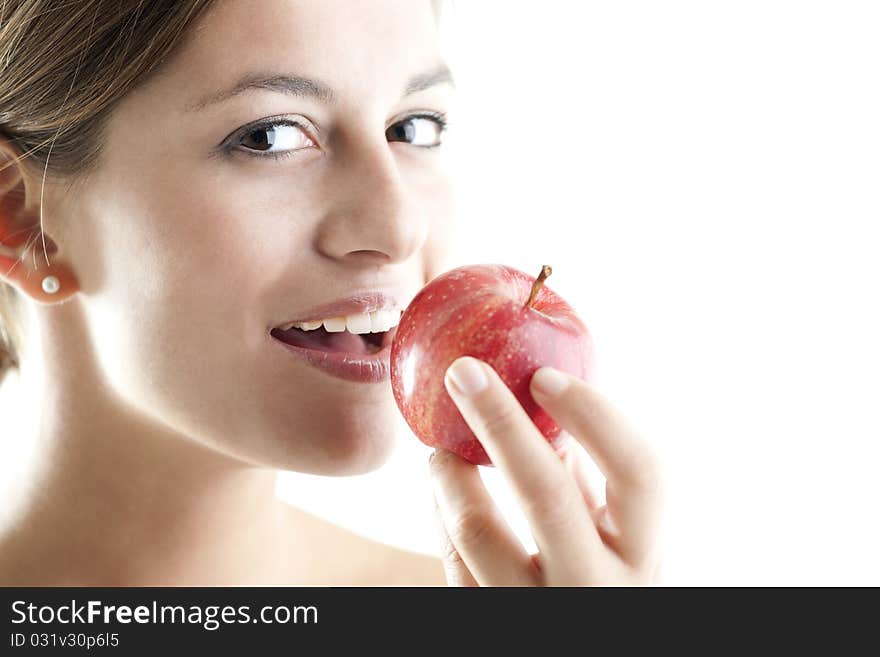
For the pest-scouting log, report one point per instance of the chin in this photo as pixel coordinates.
(339, 448)
(357, 446)
(322, 437)
(360, 456)
(330, 455)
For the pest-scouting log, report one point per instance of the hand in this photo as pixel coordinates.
(579, 542)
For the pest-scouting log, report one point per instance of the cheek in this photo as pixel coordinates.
(440, 247)
(174, 308)
(205, 247)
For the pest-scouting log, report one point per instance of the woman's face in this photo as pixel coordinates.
(191, 241)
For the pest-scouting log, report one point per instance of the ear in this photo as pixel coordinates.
(23, 261)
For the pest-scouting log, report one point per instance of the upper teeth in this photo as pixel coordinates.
(378, 321)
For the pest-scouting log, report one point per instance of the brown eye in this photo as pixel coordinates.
(423, 130)
(275, 138)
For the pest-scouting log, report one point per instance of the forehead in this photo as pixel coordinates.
(354, 45)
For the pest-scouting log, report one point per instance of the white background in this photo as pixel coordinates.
(703, 178)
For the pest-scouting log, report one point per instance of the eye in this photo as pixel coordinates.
(275, 138)
(282, 138)
(422, 130)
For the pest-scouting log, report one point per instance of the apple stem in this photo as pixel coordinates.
(546, 270)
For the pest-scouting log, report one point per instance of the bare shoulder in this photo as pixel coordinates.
(345, 558)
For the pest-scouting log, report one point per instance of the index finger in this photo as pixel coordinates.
(552, 503)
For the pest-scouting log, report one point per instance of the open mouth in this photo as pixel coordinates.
(340, 342)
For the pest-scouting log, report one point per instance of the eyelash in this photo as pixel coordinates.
(440, 118)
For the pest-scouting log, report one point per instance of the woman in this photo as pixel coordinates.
(180, 180)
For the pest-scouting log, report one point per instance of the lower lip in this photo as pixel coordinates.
(360, 368)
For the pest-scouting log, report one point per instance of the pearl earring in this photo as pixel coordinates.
(51, 284)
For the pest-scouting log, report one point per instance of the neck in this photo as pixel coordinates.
(116, 499)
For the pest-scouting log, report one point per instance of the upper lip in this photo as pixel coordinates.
(365, 302)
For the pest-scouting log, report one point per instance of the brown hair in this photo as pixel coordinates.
(65, 65)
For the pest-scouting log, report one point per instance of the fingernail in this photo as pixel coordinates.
(467, 375)
(549, 381)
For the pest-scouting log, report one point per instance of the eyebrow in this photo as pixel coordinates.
(303, 87)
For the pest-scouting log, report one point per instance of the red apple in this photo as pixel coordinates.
(497, 314)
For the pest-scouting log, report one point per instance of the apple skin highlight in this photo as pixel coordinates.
(481, 311)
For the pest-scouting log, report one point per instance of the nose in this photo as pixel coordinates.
(373, 217)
